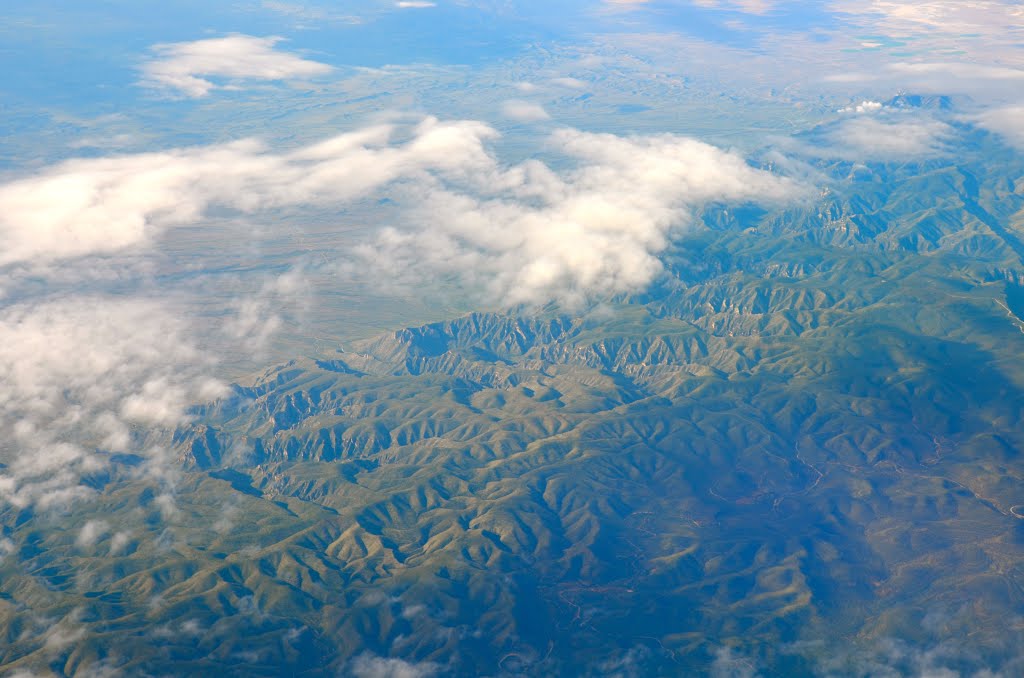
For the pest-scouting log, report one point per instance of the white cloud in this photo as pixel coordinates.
(524, 111)
(308, 15)
(119, 541)
(863, 107)
(114, 141)
(527, 234)
(255, 322)
(936, 77)
(903, 16)
(186, 67)
(415, 4)
(106, 205)
(78, 374)
(1006, 121)
(889, 138)
(874, 134)
(369, 666)
(65, 632)
(91, 532)
(888, 657)
(747, 6)
(570, 83)
(227, 519)
(625, 5)
(966, 71)
(630, 664)
(730, 664)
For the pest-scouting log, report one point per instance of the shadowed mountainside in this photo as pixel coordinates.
(802, 445)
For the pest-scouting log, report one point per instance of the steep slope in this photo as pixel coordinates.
(801, 446)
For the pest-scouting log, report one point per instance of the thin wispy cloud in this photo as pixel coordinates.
(973, 36)
(191, 68)
(954, 17)
(747, 6)
(368, 665)
(308, 16)
(871, 132)
(946, 658)
(957, 70)
(1006, 121)
(870, 138)
(987, 81)
(624, 5)
(524, 111)
(731, 664)
(570, 83)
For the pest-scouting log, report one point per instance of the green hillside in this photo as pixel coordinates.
(798, 453)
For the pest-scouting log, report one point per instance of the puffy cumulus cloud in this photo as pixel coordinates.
(185, 67)
(119, 542)
(106, 205)
(91, 532)
(524, 233)
(523, 111)
(370, 666)
(1006, 121)
(863, 107)
(530, 234)
(79, 374)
